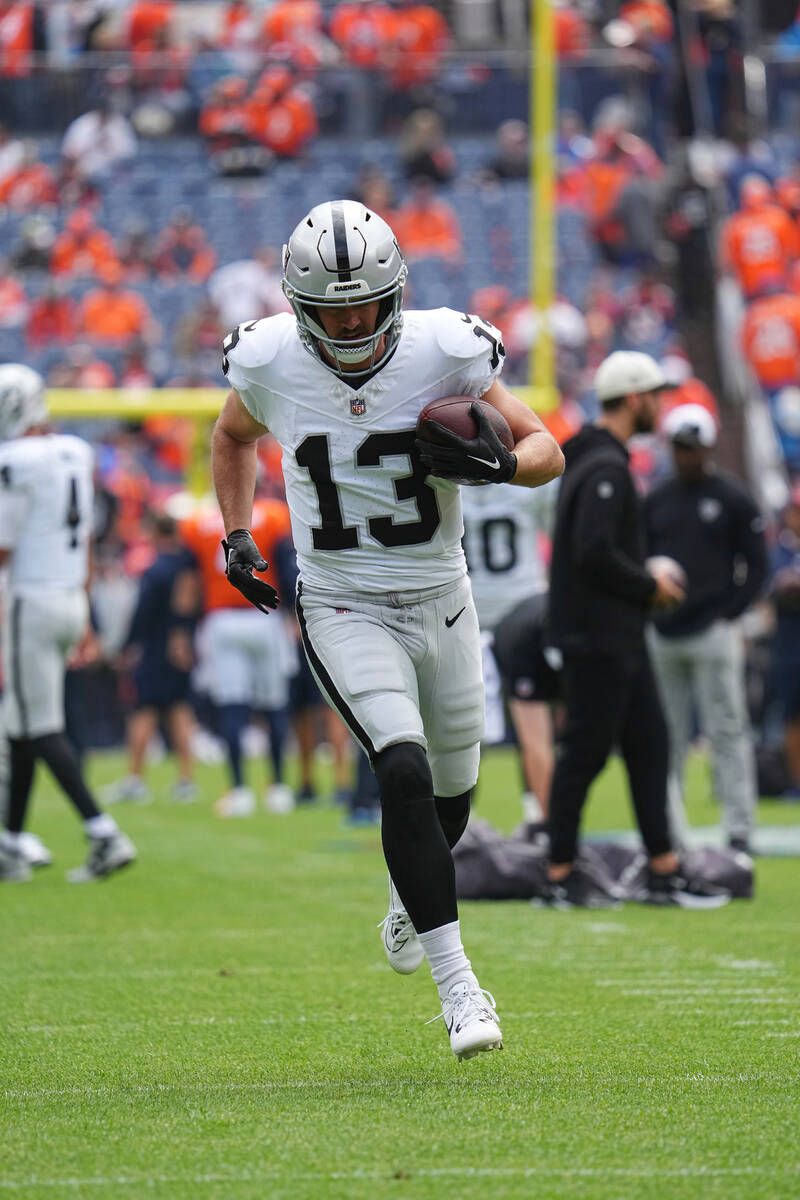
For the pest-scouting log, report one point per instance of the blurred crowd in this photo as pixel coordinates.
(261, 89)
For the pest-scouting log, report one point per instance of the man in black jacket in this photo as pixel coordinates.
(710, 525)
(600, 598)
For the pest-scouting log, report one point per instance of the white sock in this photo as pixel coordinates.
(9, 841)
(531, 808)
(101, 826)
(446, 958)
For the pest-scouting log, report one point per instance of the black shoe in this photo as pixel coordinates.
(741, 845)
(677, 889)
(580, 889)
(305, 795)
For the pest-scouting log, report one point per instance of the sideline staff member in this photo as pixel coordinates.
(711, 526)
(600, 595)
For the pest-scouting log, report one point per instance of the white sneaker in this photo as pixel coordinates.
(34, 851)
(238, 802)
(469, 1016)
(130, 790)
(279, 798)
(106, 855)
(185, 791)
(403, 947)
(13, 867)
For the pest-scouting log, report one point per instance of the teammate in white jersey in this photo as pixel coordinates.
(46, 499)
(383, 600)
(503, 531)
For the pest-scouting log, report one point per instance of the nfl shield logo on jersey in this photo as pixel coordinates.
(357, 406)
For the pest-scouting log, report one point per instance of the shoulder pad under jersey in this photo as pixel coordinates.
(256, 343)
(462, 335)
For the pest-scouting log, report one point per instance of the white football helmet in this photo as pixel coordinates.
(342, 253)
(22, 403)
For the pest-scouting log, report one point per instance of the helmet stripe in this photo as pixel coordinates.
(340, 242)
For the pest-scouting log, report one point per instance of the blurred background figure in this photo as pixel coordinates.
(785, 596)
(159, 653)
(506, 539)
(97, 143)
(246, 659)
(707, 523)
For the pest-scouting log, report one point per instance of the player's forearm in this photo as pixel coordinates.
(539, 459)
(233, 467)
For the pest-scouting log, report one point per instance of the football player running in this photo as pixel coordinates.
(46, 498)
(383, 600)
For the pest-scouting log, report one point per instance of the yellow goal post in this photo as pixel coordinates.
(199, 405)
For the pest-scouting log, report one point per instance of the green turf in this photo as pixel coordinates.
(218, 1022)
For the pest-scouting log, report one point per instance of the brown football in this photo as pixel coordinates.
(453, 412)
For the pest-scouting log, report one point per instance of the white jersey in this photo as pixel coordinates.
(503, 526)
(365, 517)
(46, 498)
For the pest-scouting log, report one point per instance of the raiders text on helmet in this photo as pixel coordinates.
(342, 253)
(22, 403)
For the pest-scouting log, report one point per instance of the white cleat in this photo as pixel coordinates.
(184, 791)
(238, 802)
(34, 851)
(130, 790)
(106, 855)
(279, 798)
(469, 1016)
(403, 947)
(13, 867)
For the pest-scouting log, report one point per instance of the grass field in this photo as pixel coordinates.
(218, 1022)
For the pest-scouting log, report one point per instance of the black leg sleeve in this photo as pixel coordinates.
(21, 763)
(453, 813)
(56, 750)
(414, 844)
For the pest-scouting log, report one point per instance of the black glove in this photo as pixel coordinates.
(482, 459)
(242, 557)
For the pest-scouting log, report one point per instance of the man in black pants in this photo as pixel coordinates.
(600, 596)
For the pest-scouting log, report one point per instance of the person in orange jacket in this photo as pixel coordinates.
(282, 115)
(83, 248)
(113, 314)
(759, 243)
(183, 249)
(771, 340)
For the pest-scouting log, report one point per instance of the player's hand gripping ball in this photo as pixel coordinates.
(465, 440)
(242, 557)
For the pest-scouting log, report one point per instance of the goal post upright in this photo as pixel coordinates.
(543, 70)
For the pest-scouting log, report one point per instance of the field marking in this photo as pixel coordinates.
(423, 1173)
(393, 1084)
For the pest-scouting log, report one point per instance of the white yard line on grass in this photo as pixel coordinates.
(123, 1088)
(431, 1173)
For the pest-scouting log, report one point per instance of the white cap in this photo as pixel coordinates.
(690, 425)
(627, 372)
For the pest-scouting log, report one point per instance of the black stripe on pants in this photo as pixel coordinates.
(611, 701)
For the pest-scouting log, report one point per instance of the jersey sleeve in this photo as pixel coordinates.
(473, 346)
(247, 352)
(15, 500)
